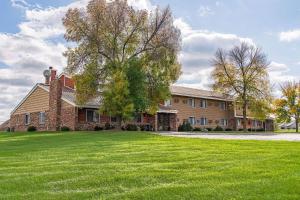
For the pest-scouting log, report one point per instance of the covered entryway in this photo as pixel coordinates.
(166, 119)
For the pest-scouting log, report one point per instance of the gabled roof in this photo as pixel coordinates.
(191, 92)
(69, 96)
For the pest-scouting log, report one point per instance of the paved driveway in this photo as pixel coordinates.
(224, 136)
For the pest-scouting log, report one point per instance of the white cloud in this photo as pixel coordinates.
(204, 11)
(199, 47)
(290, 36)
(35, 47)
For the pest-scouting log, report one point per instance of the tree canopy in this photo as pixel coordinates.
(287, 107)
(126, 56)
(242, 73)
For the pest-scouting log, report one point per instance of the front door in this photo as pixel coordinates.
(163, 122)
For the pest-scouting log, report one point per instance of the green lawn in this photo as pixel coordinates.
(136, 165)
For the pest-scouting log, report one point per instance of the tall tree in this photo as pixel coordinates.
(109, 37)
(288, 106)
(242, 73)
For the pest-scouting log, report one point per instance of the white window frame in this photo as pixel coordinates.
(40, 118)
(238, 122)
(168, 102)
(203, 103)
(193, 120)
(94, 116)
(193, 102)
(224, 122)
(204, 121)
(27, 122)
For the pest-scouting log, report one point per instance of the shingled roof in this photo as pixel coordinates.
(69, 96)
(198, 93)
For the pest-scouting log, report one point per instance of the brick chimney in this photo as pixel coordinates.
(55, 93)
(52, 74)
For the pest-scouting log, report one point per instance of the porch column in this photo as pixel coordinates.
(155, 122)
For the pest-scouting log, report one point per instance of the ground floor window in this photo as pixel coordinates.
(92, 116)
(113, 119)
(224, 122)
(192, 120)
(27, 118)
(203, 121)
(42, 117)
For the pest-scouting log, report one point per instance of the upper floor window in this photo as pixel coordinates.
(192, 120)
(203, 121)
(27, 118)
(92, 116)
(191, 102)
(42, 117)
(168, 102)
(223, 105)
(224, 122)
(203, 103)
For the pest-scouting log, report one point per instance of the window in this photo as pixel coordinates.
(238, 122)
(92, 116)
(27, 118)
(176, 100)
(42, 117)
(223, 105)
(203, 103)
(168, 102)
(224, 122)
(113, 119)
(203, 121)
(191, 102)
(254, 123)
(192, 120)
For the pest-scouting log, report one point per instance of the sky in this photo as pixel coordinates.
(31, 39)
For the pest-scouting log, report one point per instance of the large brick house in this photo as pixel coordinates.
(51, 105)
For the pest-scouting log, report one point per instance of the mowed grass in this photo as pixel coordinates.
(139, 165)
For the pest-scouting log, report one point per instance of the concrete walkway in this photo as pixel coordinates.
(224, 136)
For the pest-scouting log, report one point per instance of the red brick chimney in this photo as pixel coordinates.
(52, 74)
(55, 93)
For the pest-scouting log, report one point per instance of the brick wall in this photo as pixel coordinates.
(17, 122)
(212, 112)
(55, 104)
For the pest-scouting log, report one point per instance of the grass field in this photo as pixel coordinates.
(136, 165)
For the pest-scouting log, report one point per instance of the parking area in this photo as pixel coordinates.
(226, 136)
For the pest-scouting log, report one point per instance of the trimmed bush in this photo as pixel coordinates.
(31, 129)
(185, 127)
(228, 129)
(108, 126)
(240, 129)
(197, 129)
(209, 129)
(218, 128)
(98, 128)
(65, 128)
(131, 127)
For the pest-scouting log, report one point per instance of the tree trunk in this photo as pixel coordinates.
(245, 117)
(297, 123)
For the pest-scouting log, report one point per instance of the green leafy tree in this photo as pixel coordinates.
(242, 73)
(288, 106)
(117, 45)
